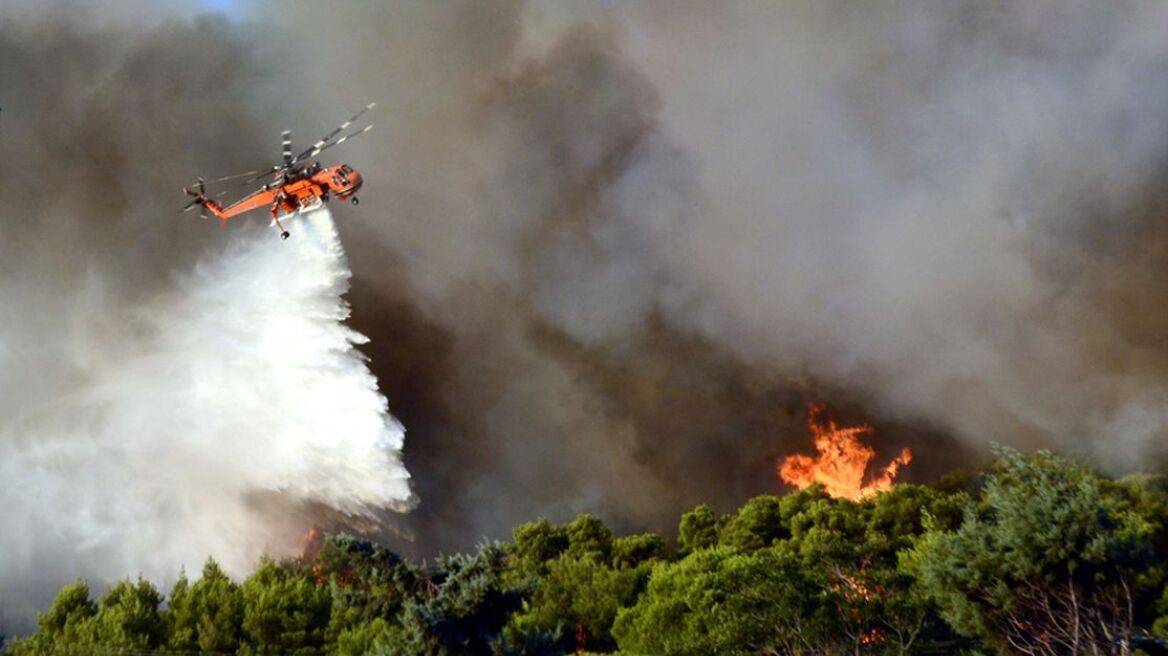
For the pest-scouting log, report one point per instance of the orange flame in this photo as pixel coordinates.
(842, 461)
(313, 543)
(854, 589)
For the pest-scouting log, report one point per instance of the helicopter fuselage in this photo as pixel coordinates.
(295, 187)
(302, 190)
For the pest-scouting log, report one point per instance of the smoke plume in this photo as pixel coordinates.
(632, 242)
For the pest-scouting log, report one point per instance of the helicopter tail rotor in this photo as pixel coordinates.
(200, 198)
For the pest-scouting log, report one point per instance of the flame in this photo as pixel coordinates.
(581, 638)
(313, 541)
(854, 589)
(842, 461)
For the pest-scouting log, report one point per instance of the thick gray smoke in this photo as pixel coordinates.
(632, 241)
(607, 252)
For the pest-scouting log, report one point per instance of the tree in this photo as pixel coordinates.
(577, 601)
(850, 549)
(365, 638)
(588, 536)
(68, 622)
(284, 611)
(206, 616)
(1046, 563)
(575, 591)
(633, 550)
(461, 609)
(758, 524)
(126, 618)
(129, 617)
(724, 601)
(367, 583)
(698, 529)
(535, 544)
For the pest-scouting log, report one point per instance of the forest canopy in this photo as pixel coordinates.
(1036, 555)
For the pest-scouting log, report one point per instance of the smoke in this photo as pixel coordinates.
(606, 254)
(637, 239)
(958, 210)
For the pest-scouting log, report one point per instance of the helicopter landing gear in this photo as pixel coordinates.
(354, 200)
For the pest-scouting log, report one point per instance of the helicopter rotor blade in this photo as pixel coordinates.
(340, 141)
(319, 145)
(199, 197)
(289, 162)
(266, 172)
(286, 142)
(237, 176)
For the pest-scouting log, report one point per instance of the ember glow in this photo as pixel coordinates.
(842, 461)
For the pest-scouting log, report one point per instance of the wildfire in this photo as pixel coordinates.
(313, 541)
(842, 461)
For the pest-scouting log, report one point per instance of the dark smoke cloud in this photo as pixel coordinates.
(607, 254)
(540, 214)
(645, 236)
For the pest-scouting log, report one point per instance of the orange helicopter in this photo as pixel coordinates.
(296, 185)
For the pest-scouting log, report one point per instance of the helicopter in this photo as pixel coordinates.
(296, 186)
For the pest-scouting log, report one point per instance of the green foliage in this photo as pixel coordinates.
(1146, 496)
(831, 530)
(578, 600)
(698, 529)
(366, 582)
(71, 612)
(588, 536)
(462, 609)
(208, 615)
(767, 519)
(575, 595)
(284, 612)
(898, 516)
(536, 544)
(758, 524)
(1039, 555)
(128, 617)
(823, 575)
(723, 601)
(362, 639)
(633, 550)
(68, 622)
(1049, 555)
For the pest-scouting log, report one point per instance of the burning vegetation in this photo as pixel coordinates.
(842, 461)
